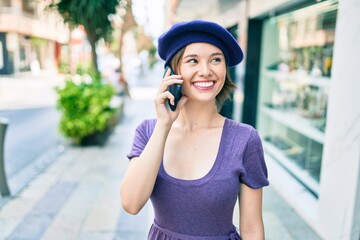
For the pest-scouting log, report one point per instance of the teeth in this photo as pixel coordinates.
(204, 84)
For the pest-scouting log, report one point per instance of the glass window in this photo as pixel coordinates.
(1, 56)
(296, 62)
(29, 6)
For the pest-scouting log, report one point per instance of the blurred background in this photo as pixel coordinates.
(77, 77)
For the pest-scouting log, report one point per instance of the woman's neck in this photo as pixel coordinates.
(196, 116)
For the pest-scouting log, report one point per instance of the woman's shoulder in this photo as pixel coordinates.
(146, 126)
(148, 122)
(242, 132)
(238, 126)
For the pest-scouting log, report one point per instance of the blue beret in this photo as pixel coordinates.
(184, 33)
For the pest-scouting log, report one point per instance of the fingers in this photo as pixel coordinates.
(173, 79)
(161, 98)
(164, 95)
(181, 103)
(167, 73)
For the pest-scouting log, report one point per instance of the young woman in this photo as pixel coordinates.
(192, 162)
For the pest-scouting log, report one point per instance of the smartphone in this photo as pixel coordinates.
(174, 89)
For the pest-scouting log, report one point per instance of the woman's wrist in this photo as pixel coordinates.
(163, 127)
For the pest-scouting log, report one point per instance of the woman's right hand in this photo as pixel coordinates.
(164, 114)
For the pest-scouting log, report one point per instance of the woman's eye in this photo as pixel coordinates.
(216, 60)
(193, 60)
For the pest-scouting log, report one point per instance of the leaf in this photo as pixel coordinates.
(85, 106)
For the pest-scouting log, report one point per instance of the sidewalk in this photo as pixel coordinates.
(77, 196)
(31, 90)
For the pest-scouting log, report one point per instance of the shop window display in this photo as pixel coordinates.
(294, 86)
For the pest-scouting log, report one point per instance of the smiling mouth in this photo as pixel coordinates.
(204, 85)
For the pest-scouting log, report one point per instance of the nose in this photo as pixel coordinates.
(204, 69)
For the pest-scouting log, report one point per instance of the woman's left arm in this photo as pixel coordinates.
(251, 221)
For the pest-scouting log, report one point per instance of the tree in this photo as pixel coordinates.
(123, 21)
(128, 22)
(94, 15)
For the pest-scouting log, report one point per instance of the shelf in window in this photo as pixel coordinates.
(302, 175)
(294, 121)
(300, 77)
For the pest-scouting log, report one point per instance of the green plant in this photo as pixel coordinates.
(152, 57)
(84, 103)
(64, 67)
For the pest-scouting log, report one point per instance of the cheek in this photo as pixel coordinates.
(186, 76)
(186, 73)
(222, 76)
(220, 87)
(220, 70)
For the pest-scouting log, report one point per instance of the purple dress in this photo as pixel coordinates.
(203, 208)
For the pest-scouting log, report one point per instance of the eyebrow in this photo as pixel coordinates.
(212, 55)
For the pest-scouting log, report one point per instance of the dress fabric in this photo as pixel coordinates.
(159, 233)
(203, 208)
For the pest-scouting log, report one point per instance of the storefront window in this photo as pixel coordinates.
(1, 56)
(294, 84)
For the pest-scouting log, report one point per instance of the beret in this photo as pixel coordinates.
(184, 33)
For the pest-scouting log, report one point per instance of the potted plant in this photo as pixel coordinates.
(84, 102)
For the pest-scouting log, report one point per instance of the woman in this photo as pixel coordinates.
(192, 162)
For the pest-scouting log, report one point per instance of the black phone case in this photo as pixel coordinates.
(175, 90)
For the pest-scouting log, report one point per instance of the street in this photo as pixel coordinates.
(30, 132)
(32, 141)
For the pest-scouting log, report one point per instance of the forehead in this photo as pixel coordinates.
(201, 47)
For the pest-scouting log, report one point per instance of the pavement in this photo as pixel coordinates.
(77, 195)
(28, 91)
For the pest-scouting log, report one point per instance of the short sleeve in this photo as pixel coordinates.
(255, 173)
(142, 135)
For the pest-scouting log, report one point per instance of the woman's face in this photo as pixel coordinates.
(203, 70)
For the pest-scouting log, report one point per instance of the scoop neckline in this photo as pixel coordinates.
(208, 175)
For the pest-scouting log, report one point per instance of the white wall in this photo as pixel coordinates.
(339, 199)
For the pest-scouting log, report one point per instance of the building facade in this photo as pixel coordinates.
(31, 38)
(300, 93)
(298, 86)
